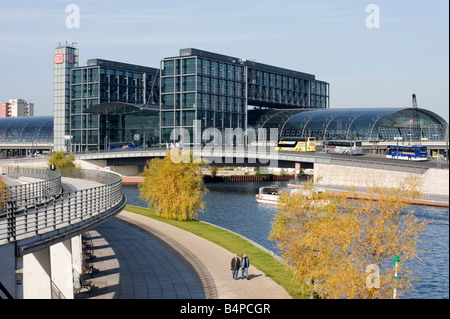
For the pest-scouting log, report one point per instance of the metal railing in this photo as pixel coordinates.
(54, 212)
(27, 194)
(56, 293)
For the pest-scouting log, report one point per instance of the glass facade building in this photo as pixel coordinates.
(106, 101)
(200, 88)
(103, 81)
(375, 124)
(123, 122)
(19, 134)
(79, 88)
(35, 129)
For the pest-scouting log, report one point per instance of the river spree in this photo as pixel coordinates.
(233, 206)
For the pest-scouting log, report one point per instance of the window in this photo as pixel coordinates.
(168, 68)
(167, 101)
(167, 84)
(92, 121)
(93, 75)
(76, 76)
(76, 122)
(93, 90)
(167, 118)
(188, 100)
(189, 66)
(76, 106)
(76, 91)
(188, 118)
(92, 136)
(189, 83)
(201, 69)
(201, 98)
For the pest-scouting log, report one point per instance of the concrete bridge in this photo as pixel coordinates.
(330, 170)
(254, 156)
(42, 217)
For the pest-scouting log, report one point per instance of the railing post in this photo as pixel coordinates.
(11, 232)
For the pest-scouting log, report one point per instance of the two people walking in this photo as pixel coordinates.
(240, 263)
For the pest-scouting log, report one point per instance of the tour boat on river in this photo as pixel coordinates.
(268, 195)
(271, 194)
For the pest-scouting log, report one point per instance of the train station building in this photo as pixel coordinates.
(100, 103)
(106, 102)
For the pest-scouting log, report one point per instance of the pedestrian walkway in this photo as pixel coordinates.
(139, 257)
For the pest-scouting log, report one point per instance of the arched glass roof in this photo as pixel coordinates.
(35, 129)
(375, 124)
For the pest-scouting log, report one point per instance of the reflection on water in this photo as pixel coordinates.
(233, 206)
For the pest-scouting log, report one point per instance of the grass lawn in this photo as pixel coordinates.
(270, 266)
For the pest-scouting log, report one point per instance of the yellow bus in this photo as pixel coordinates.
(299, 144)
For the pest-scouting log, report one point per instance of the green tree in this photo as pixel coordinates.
(62, 160)
(65, 163)
(344, 248)
(174, 186)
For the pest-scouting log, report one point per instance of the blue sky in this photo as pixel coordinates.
(366, 67)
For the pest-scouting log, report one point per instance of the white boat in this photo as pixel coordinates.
(271, 194)
(268, 195)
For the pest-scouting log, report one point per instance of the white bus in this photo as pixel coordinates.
(343, 147)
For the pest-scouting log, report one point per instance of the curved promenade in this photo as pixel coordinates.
(42, 218)
(138, 257)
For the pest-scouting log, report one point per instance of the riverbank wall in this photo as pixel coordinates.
(135, 180)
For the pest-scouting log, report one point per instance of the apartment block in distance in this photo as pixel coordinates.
(16, 108)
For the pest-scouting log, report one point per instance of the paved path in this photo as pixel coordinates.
(139, 257)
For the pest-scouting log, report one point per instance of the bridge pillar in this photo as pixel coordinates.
(50, 265)
(76, 245)
(36, 275)
(7, 269)
(61, 267)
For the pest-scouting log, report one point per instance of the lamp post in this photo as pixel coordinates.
(396, 261)
(397, 138)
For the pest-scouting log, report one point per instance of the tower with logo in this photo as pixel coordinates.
(65, 59)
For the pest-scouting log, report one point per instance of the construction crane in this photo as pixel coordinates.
(414, 101)
(414, 127)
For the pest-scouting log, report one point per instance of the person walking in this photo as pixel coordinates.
(52, 166)
(245, 263)
(235, 265)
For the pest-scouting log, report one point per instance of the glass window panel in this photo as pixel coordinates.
(167, 101)
(188, 118)
(168, 67)
(189, 83)
(167, 118)
(167, 84)
(188, 100)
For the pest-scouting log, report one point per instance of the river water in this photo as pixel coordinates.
(233, 206)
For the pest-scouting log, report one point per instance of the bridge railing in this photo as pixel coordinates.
(72, 208)
(47, 184)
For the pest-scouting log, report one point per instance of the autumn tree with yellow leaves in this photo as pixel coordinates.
(174, 186)
(4, 195)
(344, 248)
